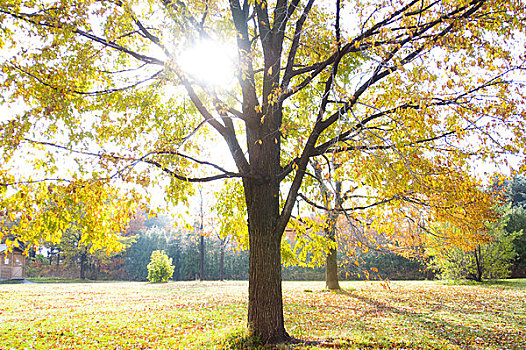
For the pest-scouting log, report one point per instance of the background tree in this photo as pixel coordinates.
(223, 244)
(182, 246)
(474, 260)
(152, 232)
(75, 252)
(332, 200)
(102, 87)
(65, 220)
(199, 226)
(515, 193)
(516, 217)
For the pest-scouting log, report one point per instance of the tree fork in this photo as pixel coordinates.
(265, 305)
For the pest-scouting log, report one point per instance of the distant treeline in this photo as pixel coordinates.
(183, 247)
(224, 261)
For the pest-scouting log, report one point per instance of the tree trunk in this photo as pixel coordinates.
(331, 272)
(201, 243)
(221, 261)
(83, 261)
(331, 269)
(478, 277)
(265, 305)
(201, 257)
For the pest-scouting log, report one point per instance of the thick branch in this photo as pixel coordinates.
(246, 74)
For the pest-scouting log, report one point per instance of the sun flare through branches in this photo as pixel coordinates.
(209, 62)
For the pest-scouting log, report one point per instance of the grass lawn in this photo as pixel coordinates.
(193, 315)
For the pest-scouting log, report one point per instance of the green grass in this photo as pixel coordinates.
(10, 282)
(193, 315)
(62, 280)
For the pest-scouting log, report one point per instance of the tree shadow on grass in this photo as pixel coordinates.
(454, 333)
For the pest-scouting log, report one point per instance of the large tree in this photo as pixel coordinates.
(407, 93)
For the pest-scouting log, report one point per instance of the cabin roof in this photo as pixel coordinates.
(3, 248)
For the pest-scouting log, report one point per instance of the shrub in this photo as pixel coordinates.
(160, 268)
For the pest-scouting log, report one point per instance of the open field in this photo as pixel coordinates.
(193, 315)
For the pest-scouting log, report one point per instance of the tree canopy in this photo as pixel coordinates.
(405, 96)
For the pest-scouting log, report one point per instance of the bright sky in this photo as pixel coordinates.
(210, 62)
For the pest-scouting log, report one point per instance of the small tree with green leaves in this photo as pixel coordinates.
(160, 268)
(490, 258)
(517, 222)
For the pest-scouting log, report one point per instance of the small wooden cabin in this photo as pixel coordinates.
(12, 264)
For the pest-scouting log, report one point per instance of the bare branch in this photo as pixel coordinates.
(87, 93)
(31, 182)
(144, 159)
(192, 179)
(295, 45)
(342, 210)
(40, 20)
(151, 37)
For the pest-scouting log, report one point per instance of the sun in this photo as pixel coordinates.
(209, 62)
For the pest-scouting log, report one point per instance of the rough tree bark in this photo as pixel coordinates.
(265, 308)
(265, 222)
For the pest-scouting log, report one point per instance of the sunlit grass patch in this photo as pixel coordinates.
(212, 315)
(119, 315)
(241, 339)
